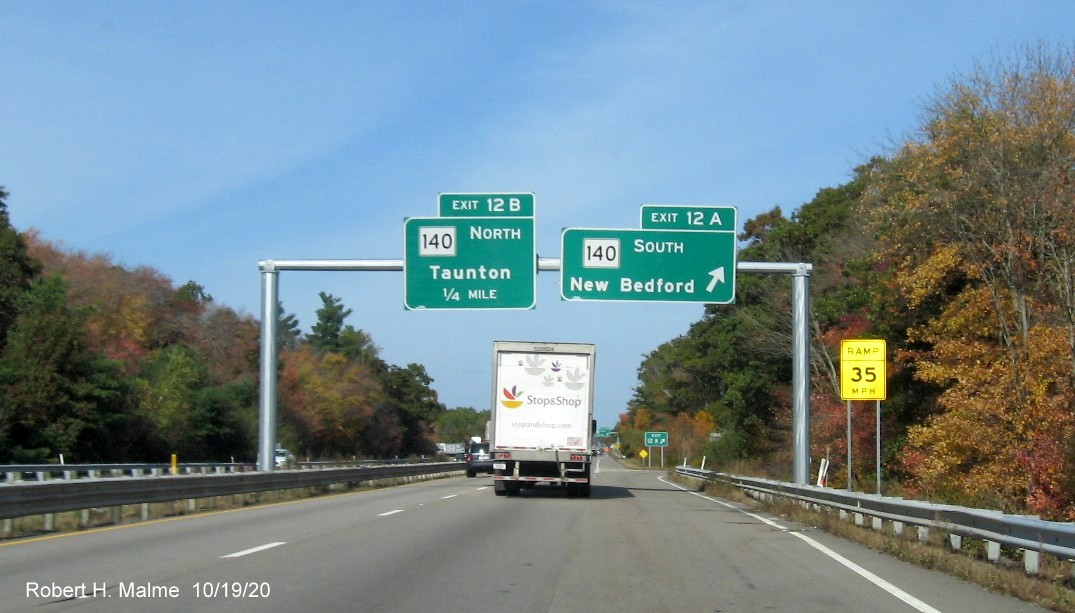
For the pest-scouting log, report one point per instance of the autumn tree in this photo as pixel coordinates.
(327, 402)
(973, 214)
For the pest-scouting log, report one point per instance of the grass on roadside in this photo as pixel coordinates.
(1052, 588)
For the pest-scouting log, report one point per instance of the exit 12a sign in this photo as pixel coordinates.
(689, 217)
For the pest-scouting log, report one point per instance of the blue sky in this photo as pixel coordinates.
(199, 138)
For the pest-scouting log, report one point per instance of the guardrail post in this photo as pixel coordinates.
(992, 551)
(145, 511)
(876, 523)
(1030, 561)
(897, 528)
(50, 522)
(956, 541)
(84, 518)
(117, 515)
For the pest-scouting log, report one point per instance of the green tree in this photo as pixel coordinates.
(460, 424)
(55, 390)
(288, 332)
(166, 391)
(331, 334)
(416, 405)
(325, 334)
(17, 269)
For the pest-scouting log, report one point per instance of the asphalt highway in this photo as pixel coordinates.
(639, 543)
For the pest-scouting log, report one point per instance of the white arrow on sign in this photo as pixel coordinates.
(717, 275)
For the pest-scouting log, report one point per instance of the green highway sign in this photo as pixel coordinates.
(604, 432)
(647, 265)
(656, 439)
(486, 205)
(469, 263)
(686, 217)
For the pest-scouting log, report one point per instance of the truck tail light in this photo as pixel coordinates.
(578, 457)
(503, 455)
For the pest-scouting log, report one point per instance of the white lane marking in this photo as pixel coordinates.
(484, 487)
(387, 513)
(239, 554)
(448, 496)
(862, 572)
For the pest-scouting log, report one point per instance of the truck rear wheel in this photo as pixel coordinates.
(499, 488)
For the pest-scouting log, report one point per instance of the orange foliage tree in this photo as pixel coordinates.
(326, 401)
(975, 215)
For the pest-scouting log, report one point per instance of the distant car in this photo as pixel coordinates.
(284, 458)
(479, 459)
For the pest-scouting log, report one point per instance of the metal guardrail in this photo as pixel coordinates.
(44, 472)
(12, 473)
(1022, 532)
(44, 497)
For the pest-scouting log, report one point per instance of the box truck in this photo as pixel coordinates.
(542, 422)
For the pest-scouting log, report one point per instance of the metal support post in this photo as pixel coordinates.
(267, 402)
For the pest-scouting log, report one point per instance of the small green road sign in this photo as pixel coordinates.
(469, 263)
(486, 205)
(647, 265)
(656, 439)
(688, 217)
(604, 432)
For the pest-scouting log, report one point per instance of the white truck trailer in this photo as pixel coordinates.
(542, 416)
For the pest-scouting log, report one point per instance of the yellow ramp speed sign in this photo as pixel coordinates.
(863, 371)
